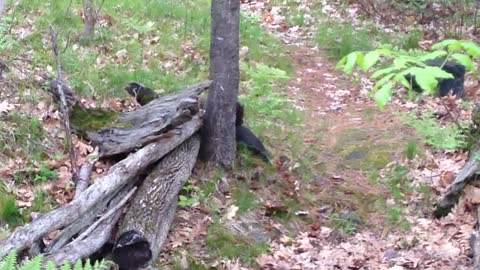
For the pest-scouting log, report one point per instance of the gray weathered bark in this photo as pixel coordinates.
(219, 133)
(90, 18)
(465, 176)
(118, 176)
(153, 208)
(150, 122)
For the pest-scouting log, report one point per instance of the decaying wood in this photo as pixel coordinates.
(152, 210)
(96, 235)
(149, 123)
(465, 176)
(117, 177)
(83, 180)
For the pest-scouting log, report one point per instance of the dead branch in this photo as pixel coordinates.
(465, 176)
(83, 180)
(63, 102)
(151, 122)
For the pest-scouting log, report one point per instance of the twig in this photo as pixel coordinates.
(107, 215)
(98, 10)
(63, 102)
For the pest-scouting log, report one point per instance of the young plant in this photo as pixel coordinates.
(394, 66)
(9, 262)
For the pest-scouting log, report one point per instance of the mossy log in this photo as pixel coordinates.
(163, 146)
(112, 182)
(155, 120)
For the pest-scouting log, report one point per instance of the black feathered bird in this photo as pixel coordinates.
(245, 136)
(132, 251)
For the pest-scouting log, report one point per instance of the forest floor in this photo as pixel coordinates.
(367, 205)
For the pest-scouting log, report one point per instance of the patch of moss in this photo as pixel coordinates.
(83, 120)
(365, 155)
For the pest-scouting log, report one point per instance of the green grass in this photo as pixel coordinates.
(24, 134)
(224, 244)
(151, 33)
(340, 39)
(9, 211)
(244, 198)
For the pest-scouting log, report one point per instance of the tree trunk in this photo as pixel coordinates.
(219, 132)
(90, 18)
(152, 210)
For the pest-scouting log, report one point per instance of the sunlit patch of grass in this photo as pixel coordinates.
(224, 244)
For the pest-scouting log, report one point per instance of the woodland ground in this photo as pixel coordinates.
(351, 186)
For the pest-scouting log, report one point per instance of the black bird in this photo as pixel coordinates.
(132, 251)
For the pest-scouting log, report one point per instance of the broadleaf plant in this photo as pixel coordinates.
(392, 66)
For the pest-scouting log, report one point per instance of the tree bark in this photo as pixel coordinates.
(151, 122)
(152, 210)
(118, 176)
(90, 18)
(218, 136)
(454, 191)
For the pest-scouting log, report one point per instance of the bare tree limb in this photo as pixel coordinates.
(63, 102)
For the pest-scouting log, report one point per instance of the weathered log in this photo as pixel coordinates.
(465, 176)
(96, 235)
(475, 242)
(152, 211)
(149, 122)
(117, 177)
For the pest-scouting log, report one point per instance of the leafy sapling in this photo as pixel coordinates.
(414, 69)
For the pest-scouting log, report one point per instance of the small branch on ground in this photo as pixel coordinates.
(83, 180)
(63, 102)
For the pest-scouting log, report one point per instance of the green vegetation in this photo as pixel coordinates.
(398, 184)
(24, 134)
(9, 262)
(344, 225)
(244, 198)
(224, 244)
(449, 136)
(410, 149)
(9, 211)
(340, 39)
(402, 63)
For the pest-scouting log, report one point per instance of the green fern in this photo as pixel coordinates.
(9, 262)
(449, 136)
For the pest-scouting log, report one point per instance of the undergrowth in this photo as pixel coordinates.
(448, 136)
(9, 262)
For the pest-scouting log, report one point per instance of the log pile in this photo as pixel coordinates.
(131, 207)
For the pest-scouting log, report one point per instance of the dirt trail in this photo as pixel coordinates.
(352, 135)
(355, 140)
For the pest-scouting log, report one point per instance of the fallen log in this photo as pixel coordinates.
(117, 177)
(151, 212)
(148, 123)
(96, 235)
(454, 191)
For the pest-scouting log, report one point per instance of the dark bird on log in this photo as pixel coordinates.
(131, 251)
(140, 92)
